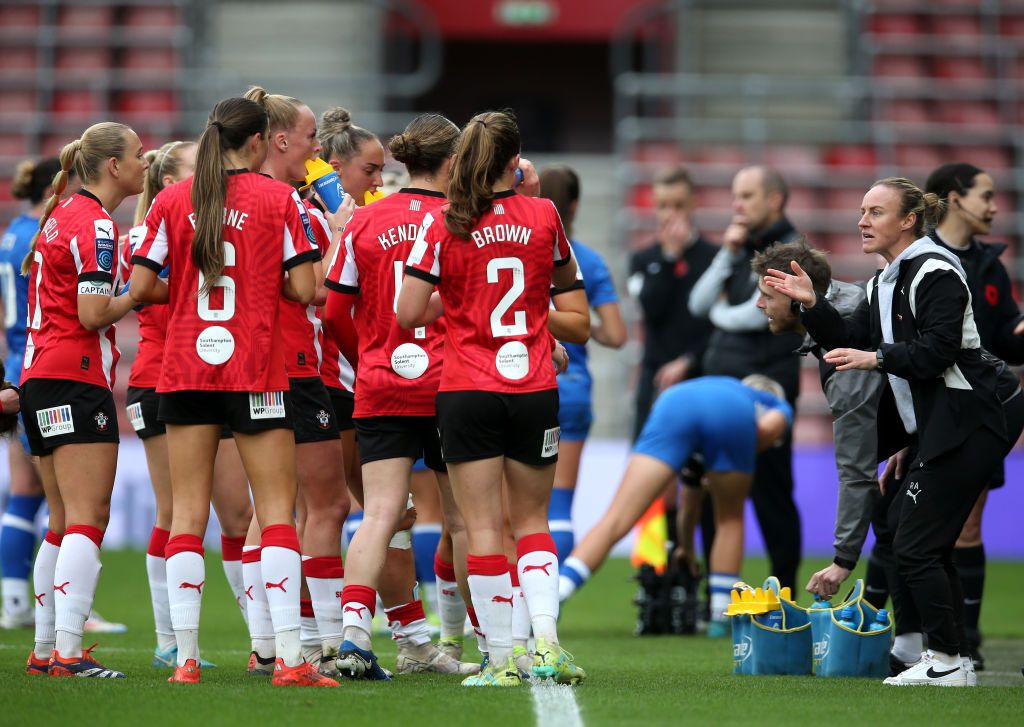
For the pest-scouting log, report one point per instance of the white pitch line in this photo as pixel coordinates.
(554, 705)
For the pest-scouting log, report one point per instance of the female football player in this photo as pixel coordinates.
(68, 409)
(224, 363)
(493, 256)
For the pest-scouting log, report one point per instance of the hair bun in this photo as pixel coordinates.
(404, 149)
(21, 184)
(337, 116)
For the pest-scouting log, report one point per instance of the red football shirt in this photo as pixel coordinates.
(228, 339)
(496, 289)
(76, 254)
(300, 324)
(399, 370)
(152, 325)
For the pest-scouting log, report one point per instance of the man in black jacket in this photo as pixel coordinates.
(969, 194)
(660, 278)
(741, 344)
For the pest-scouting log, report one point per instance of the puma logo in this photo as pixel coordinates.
(248, 591)
(502, 599)
(268, 585)
(913, 491)
(527, 569)
(357, 610)
(39, 597)
(196, 586)
(448, 592)
(61, 587)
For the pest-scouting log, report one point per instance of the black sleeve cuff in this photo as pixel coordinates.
(147, 263)
(97, 276)
(310, 256)
(844, 563)
(563, 261)
(578, 285)
(339, 288)
(417, 273)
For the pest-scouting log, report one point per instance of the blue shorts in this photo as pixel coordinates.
(12, 368)
(575, 420)
(718, 423)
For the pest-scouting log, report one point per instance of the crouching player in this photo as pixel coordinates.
(727, 422)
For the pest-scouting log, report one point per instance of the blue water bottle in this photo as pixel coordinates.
(881, 622)
(821, 602)
(846, 618)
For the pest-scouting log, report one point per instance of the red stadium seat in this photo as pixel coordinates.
(960, 68)
(973, 113)
(845, 199)
(82, 60)
(906, 111)
(851, 155)
(666, 153)
(894, 24)
(150, 59)
(86, 16)
(51, 144)
(143, 16)
(154, 103)
(956, 27)
(1012, 26)
(19, 101)
(24, 15)
(990, 158)
(77, 103)
(803, 198)
(899, 66)
(788, 157)
(13, 145)
(919, 156)
(641, 197)
(725, 155)
(713, 197)
(18, 60)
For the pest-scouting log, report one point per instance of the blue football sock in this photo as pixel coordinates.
(18, 535)
(425, 539)
(560, 521)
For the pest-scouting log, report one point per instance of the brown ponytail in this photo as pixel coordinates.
(231, 123)
(488, 143)
(85, 156)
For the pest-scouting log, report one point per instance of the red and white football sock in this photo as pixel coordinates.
(450, 606)
(281, 565)
(257, 610)
(156, 571)
(358, 604)
(520, 611)
(74, 585)
(42, 583)
(491, 587)
(186, 578)
(481, 637)
(538, 574)
(408, 624)
(325, 577)
(231, 557)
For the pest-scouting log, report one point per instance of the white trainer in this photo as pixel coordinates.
(931, 672)
(428, 657)
(971, 674)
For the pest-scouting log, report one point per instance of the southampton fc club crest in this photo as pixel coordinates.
(102, 421)
(324, 418)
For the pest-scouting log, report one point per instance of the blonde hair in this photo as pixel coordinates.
(85, 156)
(928, 206)
(339, 137)
(766, 384)
(163, 161)
(488, 143)
(283, 111)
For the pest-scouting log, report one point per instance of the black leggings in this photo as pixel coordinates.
(926, 515)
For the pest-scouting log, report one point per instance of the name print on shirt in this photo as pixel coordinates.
(501, 233)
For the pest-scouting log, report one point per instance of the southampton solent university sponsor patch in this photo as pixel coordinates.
(135, 416)
(550, 446)
(55, 421)
(266, 405)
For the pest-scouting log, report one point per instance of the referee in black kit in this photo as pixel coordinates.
(917, 327)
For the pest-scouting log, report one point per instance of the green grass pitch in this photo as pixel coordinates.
(653, 680)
